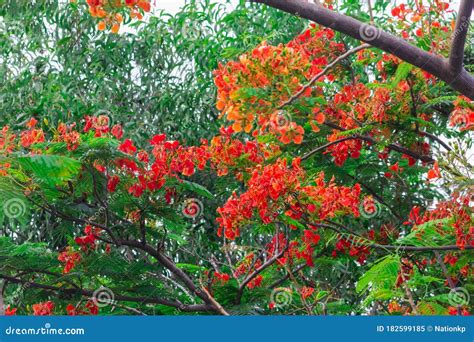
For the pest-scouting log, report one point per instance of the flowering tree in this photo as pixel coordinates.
(339, 182)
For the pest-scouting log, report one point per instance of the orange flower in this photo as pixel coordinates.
(294, 133)
(434, 172)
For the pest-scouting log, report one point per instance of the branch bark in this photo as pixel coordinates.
(458, 78)
(456, 55)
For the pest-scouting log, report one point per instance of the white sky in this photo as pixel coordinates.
(171, 6)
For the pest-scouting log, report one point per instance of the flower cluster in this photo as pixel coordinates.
(250, 90)
(419, 20)
(90, 308)
(109, 11)
(463, 114)
(269, 189)
(70, 258)
(460, 223)
(277, 189)
(43, 309)
(227, 153)
(88, 241)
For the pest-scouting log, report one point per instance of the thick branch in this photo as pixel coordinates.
(171, 266)
(88, 293)
(438, 66)
(456, 55)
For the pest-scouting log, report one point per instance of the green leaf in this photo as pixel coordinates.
(51, 169)
(291, 221)
(403, 70)
(432, 233)
(382, 274)
(196, 188)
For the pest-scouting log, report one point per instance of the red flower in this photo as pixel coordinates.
(223, 277)
(70, 258)
(31, 123)
(311, 237)
(117, 131)
(112, 183)
(158, 139)
(136, 190)
(143, 157)
(87, 242)
(255, 282)
(306, 292)
(434, 172)
(43, 309)
(396, 168)
(10, 312)
(127, 147)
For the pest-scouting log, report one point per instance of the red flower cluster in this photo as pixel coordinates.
(306, 292)
(459, 209)
(276, 189)
(87, 242)
(255, 282)
(463, 114)
(70, 258)
(347, 247)
(170, 161)
(32, 135)
(266, 71)
(7, 140)
(67, 134)
(269, 189)
(226, 153)
(43, 309)
(90, 308)
(222, 277)
(9, 311)
(108, 11)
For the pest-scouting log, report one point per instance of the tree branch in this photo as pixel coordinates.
(171, 266)
(438, 66)
(456, 55)
(88, 293)
(255, 273)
